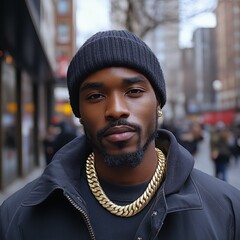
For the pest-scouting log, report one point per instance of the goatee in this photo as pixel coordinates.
(131, 159)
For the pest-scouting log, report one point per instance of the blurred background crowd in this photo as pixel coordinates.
(222, 144)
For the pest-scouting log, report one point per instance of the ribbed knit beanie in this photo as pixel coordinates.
(114, 48)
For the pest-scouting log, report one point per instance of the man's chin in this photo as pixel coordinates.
(128, 159)
(120, 149)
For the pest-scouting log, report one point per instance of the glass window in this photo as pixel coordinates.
(63, 6)
(63, 33)
(27, 124)
(9, 123)
(62, 51)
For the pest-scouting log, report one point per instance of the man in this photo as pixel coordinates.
(124, 179)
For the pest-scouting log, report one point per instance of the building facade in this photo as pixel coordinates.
(189, 76)
(217, 67)
(26, 76)
(65, 44)
(205, 68)
(228, 54)
(65, 41)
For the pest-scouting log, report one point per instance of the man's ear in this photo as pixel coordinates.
(159, 111)
(158, 103)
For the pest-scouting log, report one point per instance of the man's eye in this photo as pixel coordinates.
(95, 97)
(135, 91)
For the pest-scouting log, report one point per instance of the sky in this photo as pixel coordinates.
(207, 20)
(93, 16)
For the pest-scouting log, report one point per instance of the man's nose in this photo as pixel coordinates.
(116, 107)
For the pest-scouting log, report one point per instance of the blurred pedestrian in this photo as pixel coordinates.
(48, 141)
(191, 138)
(221, 150)
(58, 134)
(66, 133)
(235, 146)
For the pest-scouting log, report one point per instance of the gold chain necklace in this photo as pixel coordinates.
(134, 207)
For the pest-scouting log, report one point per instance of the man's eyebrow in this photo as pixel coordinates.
(90, 85)
(132, 80)
(94, 85)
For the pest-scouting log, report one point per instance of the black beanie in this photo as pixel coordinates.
(114, 48)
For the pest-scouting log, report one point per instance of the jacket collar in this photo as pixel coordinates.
(179, 191)
(69, 161)
(179, 161)
(62, 173)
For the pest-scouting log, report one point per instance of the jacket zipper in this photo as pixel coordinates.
(85, 216)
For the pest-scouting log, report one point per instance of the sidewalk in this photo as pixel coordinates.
(19, 184)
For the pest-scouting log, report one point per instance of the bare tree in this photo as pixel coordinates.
(143, 16)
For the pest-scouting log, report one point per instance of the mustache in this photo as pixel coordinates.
(120, 122)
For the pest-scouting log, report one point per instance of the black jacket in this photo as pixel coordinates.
(189, 204)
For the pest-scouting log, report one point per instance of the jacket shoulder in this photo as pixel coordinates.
(212, 183)
(219, 199)
(216, 191)
(17, 197)
(12, 203)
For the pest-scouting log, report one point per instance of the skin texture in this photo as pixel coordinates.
(118, 109)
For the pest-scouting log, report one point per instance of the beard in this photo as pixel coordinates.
(131, 159)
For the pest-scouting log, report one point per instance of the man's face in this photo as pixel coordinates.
(118, 108)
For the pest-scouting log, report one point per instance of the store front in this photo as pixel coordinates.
(26, 79)
(27, 124)
(9, 146)
(228, 117)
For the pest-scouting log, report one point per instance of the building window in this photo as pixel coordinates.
(63, 33)
(63, 7)
(27, 121)
(63, 51)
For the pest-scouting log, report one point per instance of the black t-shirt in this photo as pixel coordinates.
(108, 226)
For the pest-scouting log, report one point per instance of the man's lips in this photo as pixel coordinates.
(119, 133)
